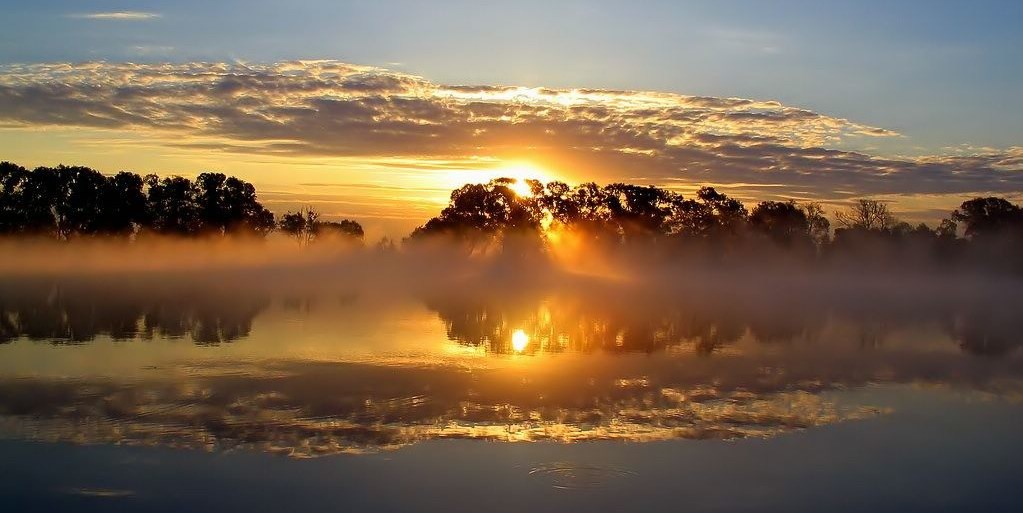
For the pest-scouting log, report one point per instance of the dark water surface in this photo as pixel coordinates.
(127, 396)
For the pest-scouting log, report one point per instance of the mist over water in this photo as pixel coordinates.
(599, 358)
(310, 351)
(594, 257)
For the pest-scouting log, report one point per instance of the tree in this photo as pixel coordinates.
(66, 201)
(867, 214)
(691, 219)
(987, 217)
(299, 224)
(345, 229)
(228, 205)
(782, 222)
(479, 214)
(948, 229)
(712, 216)
(124, 210)
(69, 201)
(590, 213)
(385, 245)
(78, 204)
(818, 224)
(13, 180)
(173, 206)
(640, 212)
(730, 213)
(41, 192)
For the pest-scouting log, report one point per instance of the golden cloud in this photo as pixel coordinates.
(334, 109)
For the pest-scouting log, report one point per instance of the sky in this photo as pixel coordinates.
(376, 109)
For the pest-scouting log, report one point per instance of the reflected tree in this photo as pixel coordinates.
(79, 312)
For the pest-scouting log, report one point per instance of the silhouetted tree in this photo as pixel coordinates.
(817, 223)
(306, 227)
(588, 211)
(173, 206)
(866, 214)
(782, 222)
(78, 205)
(712, 217)
(228, 205)
(994, 229)
(691, 219)
(729, 213)
(385, 245)
(345, 229)
(41, 192)
(71, 201)
(989, 217)
(947, 229)
(13, 210)
(68, 201)
(124, 208)
(640, 212)
(479, 214)
(299, 224)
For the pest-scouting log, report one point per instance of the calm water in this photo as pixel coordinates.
(178, 394)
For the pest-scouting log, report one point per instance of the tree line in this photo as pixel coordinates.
(620, 215)
(66, 202)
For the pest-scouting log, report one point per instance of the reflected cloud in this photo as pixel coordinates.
(307, 410)
(642, 364)
(531, 355)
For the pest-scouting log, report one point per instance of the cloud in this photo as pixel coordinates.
(117, 15)
(307, 109)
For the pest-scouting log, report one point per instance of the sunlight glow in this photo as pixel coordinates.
(520, 172)
(516, 170)
(521, 188)
(519, 341)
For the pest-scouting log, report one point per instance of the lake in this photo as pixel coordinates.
(171, 392)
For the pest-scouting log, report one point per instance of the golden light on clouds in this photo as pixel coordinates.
(387, 146)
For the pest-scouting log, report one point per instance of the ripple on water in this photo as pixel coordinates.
(579, 476)
(101, 492)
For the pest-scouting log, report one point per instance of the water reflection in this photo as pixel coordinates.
(523, 365)
(649, 322)
(78, 311)
(308, 409)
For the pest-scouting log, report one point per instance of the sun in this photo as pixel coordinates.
(521, 188)
(519, 341)
(520, 172)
